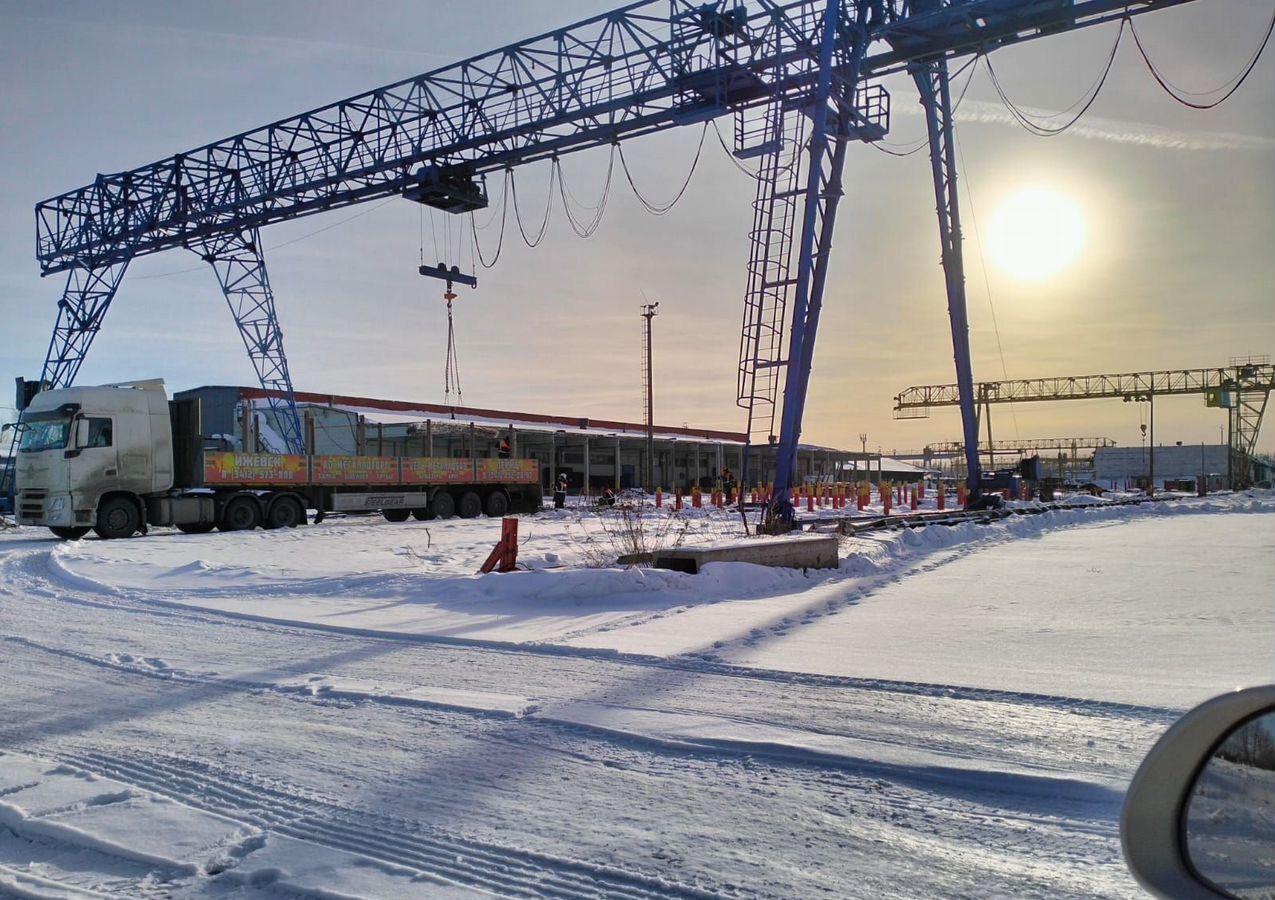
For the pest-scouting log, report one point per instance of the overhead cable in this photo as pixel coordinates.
(660, 209)
(972, 65)
(586, 231)
(1181, 95)
(544, 225)
(1041, 130)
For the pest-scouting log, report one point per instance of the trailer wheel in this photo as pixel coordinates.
(69, 533)
(285, 512)
(421, 514)
(196, 527)
(117, 517)
(497, 504)
(241, 514)
(470, 506)
(443, 505)
(396, 515)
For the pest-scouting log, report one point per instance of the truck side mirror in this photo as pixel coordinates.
(1199, 817)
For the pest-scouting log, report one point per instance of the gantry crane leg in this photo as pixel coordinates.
(832, 112)
(85, 299)
(936, 97)
(241, 270)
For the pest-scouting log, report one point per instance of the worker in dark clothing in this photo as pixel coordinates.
(728, 484)
(560, 492)
(608, 497)
(505, 450)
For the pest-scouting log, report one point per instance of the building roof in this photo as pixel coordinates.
(399, 411)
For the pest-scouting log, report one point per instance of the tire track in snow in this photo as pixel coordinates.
(34, 572)
(416, 845)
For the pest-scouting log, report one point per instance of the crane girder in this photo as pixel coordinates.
(649, 66)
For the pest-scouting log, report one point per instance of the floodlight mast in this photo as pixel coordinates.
(800, 67)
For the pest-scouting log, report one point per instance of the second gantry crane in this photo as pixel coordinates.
(1242, 388)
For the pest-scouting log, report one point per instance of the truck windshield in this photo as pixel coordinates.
(45, 434)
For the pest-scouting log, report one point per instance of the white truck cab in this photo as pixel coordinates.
(89, 453)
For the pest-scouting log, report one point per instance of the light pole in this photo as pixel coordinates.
(649, 313)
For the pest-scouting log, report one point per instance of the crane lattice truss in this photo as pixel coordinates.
(957, 448)
(795, 74)
(1244, 387)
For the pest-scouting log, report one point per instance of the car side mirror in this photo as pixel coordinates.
(1199, 817)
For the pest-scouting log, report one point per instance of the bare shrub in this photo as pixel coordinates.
(631, 528)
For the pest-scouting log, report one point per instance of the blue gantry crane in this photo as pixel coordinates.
(799, 77)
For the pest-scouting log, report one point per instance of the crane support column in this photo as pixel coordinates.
(241, 270)
(85, 299)
(933, 83)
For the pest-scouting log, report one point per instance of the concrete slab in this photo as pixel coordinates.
(793, 552)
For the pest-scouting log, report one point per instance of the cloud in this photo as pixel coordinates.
(1116, 131)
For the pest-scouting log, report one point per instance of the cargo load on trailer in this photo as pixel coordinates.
(116, 459)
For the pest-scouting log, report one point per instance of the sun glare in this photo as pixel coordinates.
(1036, 233)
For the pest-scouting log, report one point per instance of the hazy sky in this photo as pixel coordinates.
(1176, 272)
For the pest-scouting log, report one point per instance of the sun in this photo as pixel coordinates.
(1036, 233)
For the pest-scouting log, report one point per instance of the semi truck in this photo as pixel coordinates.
(118, 458)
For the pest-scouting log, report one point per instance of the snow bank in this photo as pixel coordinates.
(367, 575)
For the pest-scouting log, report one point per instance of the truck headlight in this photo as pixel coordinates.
(57, 505)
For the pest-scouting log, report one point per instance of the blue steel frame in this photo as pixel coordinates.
(646, 67)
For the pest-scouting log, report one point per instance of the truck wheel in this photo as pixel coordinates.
(497, 504)
(443, 506)
(68, 534)
(421, 514)
(470, 506)
(196, 527)
(396, 515)
(240, 514)
(117, 517)
(285, 512)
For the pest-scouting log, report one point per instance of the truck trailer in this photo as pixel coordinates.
(118, 458)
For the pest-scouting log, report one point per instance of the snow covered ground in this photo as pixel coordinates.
(346, 710)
